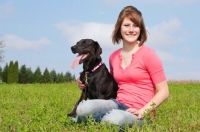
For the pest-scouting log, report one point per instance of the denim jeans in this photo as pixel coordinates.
(110, 111)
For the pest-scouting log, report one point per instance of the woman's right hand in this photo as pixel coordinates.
(80, 84)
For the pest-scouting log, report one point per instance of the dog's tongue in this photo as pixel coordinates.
(75, 63)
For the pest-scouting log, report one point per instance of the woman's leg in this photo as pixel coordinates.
(97, 107)
(121, 118)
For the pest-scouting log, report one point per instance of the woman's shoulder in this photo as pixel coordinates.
(146, 49)
(146, 52)
(116, 52)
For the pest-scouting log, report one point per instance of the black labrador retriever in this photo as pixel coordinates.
(99, 83)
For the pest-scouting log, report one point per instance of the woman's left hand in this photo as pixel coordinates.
(134, 111)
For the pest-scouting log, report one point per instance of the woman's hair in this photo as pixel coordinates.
(136, 17)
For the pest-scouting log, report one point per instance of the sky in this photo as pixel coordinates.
(40, 33)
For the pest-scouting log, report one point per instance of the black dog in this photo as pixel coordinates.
(99, 83)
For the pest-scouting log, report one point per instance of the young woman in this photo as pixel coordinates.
(138, 71)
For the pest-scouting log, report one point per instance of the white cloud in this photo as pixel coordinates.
(17, 43)
(97, 31)
(163, 34)
(6, 10)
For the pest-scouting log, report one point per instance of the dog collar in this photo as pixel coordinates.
(97, 66)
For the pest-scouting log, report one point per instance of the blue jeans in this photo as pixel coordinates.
(110, 111)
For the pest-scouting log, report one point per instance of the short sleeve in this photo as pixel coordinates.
(154, 66)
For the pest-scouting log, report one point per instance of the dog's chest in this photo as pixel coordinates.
(90, 82)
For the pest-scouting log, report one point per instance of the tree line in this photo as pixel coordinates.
(23, 75)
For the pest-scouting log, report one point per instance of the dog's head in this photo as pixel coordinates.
(88, 51)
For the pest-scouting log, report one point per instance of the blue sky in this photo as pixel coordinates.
(41, 32)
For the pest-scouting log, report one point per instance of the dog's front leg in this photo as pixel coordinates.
(82, 97)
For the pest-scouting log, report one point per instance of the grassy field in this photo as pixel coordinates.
(43, 107)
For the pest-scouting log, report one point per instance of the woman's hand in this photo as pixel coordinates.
(80, 84)
(139, 113)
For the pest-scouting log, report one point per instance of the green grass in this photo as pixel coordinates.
(43, 107)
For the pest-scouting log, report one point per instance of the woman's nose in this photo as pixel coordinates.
(131, 29)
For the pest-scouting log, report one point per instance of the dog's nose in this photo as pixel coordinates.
(73, 48)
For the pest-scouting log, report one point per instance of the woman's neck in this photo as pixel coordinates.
(130, 47)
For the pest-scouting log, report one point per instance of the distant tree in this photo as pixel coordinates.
(5, 73)
(74, 78)
(29, 75)
(10, 76)
(23, 75)
(1, 72)
(13, 72)
(53, 76)
(46, 76)
(68, 77)
(1, 51)
(16, 72)
(37, 76)
(61, 78)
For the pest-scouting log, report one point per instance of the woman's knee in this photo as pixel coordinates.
(84, 107)
(95, 106)
(119, 117)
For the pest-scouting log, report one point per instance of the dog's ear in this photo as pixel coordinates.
(98, 49)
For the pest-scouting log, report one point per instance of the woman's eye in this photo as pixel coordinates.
(136, 25)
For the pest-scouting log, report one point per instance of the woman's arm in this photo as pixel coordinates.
(161, 95)
(80, 84)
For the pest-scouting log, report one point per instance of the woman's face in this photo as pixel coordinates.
(129, 31)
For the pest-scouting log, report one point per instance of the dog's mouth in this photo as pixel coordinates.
(78, 60)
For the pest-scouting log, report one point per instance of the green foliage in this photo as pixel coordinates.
(43, 107)
(53, 75)
(46, 76)
(10, 77)
(60, 78)
(5, 73)
(16, 72)
(68, 77)
(1, 72)
(30, 75)
(73, 78)
(23, 75)
(37, 76)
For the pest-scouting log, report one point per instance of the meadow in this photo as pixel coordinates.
(43, 108)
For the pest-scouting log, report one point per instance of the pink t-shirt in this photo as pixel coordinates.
(137, 81)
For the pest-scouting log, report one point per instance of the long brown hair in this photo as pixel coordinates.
(136, 17)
